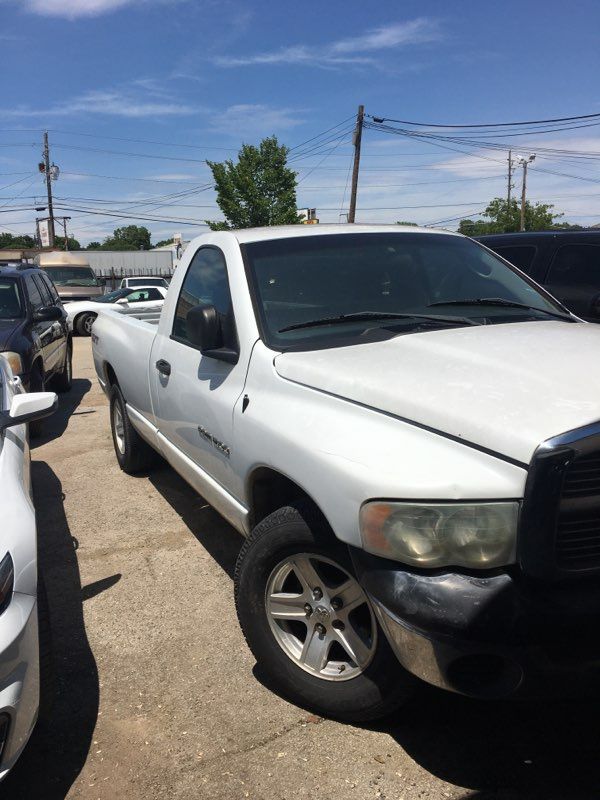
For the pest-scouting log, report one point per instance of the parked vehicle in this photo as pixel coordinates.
(567, 263)
(34, 334)
(72, 275)
(375, 409)
(141, 280)
(19, 629)
(81, 315)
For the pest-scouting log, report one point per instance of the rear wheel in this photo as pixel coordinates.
(133, 454)
(309, 623)
(84, 322)
(62, 382)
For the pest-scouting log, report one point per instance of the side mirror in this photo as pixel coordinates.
(48, 314)
(122, 301)
(26, 407)
(204, 331)
(203, 327)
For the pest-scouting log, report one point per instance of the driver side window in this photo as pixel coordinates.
(205, 282)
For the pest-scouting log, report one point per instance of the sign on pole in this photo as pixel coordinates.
(44, 232)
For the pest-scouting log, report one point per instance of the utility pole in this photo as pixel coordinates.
(49, 188)
(524, 163)
(509, 189)
(357, 139)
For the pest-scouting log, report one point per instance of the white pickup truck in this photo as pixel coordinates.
(406, 429)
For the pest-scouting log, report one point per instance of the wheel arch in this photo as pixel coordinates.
(269, 489)
(110, 375)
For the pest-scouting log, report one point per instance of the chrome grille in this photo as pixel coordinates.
(578, 523)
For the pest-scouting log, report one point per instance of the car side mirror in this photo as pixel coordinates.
(204, 331)
(27, 407)
(48, 314)
(122, 301)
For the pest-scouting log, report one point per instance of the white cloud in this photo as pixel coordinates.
(74, 9)
(246, 121)
(110, 102)
(353, 50)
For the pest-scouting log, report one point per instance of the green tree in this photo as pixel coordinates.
(258, 190)
(8, 240)
(164, 242)
(500, 218)
(94, 246)
(59, 243)
(131, 237)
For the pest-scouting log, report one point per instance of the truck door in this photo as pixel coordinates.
(43, 332)
(194, 394)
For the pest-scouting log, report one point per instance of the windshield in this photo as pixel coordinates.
(307, 288)
(72, 276)
(112, 297)
(10, 302)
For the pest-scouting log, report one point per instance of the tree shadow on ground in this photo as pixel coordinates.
(60, 743)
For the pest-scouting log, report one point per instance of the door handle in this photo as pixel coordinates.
(163, 366)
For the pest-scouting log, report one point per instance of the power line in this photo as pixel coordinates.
(485, 124)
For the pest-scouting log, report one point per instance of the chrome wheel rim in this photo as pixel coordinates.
(119, 428)
(88, 322)
(320, 617)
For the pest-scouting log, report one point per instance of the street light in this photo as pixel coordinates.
(524, 161)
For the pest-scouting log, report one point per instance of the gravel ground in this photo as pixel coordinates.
(156, 695)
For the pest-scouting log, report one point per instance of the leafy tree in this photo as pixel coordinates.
(131, 237)
(164, 243)
(504, 219)
(59, 243)
(94, 246)
(259, 189)
(8, 240)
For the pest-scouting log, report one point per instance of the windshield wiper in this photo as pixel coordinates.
(499, 301)
(360, 316)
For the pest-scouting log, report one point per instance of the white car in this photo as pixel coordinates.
(81, 315)
(142, 280)
(19, 641)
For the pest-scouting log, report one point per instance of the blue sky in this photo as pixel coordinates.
(211, 75)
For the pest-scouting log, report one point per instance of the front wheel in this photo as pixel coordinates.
(84, 323)
(62, 382)
(309, 623)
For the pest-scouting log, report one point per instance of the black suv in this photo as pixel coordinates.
(34, 335)
(566, 263)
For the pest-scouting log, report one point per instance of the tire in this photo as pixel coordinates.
(84, 322)
(37, 383)
(47, 671)
(323, 677)
(133, 454)
(62, 382)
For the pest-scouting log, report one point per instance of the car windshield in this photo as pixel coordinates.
(327, 290)
(112, 297)
(10, 302)
(72, 276)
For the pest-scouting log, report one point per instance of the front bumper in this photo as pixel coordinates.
(485, 636)
(19, 675)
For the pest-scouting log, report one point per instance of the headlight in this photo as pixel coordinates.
(476, 535)
(14, 359)
(7, 577)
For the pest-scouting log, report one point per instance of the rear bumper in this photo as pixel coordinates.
(489, 636)
(19, 675)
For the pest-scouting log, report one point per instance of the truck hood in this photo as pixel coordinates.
(505, 387)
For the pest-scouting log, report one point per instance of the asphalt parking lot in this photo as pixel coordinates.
(156, 695)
